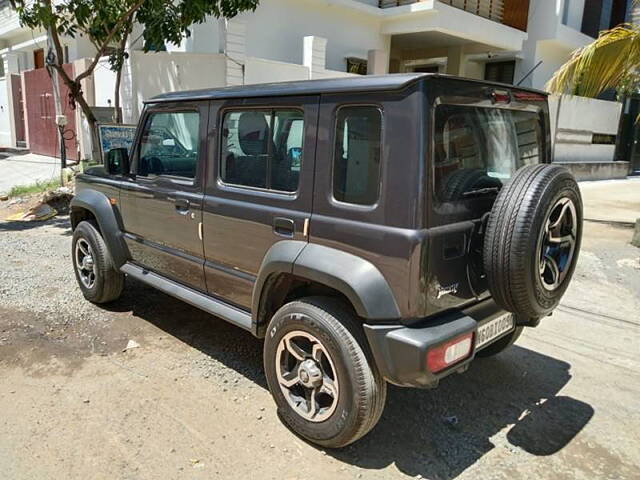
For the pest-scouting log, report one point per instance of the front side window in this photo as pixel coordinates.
(356, 167)
(169, 145)
(262, 149)
(478, 149)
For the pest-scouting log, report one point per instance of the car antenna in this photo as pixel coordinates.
(529, 73)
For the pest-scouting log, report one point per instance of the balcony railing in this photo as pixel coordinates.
(513, 13)
(8, 18)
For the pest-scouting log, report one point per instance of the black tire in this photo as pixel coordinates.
(501, 345)
(516, 238)
(362, 391)
(109, 281)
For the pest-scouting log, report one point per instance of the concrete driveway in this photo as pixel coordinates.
(26, 169)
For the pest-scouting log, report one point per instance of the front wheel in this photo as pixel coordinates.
(96, 274)
(320, 373)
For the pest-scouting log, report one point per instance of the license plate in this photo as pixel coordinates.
(493, 329)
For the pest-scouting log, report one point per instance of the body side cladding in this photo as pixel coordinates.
(278, 259)
(98, 204)
(358, 279)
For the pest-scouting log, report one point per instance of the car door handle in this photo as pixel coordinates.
(284, 227)
(182, 206)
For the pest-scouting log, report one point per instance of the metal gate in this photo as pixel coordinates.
(40, 114)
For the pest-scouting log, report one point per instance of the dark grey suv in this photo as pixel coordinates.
(370, 229)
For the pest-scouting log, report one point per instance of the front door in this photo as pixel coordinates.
(162, 204)
(259, 189)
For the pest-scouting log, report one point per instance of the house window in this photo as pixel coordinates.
(502, 72)
(262, 149)
(427, 69)
(356, 165)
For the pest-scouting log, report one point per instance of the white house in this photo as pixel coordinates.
(512, 41)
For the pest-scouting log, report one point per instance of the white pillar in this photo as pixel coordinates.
(83, 132)
(235, 50)
(456, 61)
(315, 55)
(11, 66)
(377, 62)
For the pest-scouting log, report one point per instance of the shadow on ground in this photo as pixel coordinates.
(434, 433)
(20, 226)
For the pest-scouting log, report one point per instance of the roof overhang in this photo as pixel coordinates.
(434, 16)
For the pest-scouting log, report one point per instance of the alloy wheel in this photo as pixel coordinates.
(307, 376)
(85, 264)
(557, 245)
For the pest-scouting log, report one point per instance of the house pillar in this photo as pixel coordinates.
(83, 132)
(377, 62)
(315, 55)
(11, 67)
(456, 61)
(235, 51)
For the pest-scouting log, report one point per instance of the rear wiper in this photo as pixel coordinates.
(481, 191)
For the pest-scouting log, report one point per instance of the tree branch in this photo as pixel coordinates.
(105, 44)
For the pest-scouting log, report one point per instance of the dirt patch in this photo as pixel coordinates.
(41, 347)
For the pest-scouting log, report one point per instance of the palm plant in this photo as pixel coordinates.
(612, 61)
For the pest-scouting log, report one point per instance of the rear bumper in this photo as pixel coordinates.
(401, 352)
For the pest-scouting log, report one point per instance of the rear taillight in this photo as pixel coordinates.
(501, 96)
(449, 353)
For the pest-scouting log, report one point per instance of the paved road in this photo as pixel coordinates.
(191, 401)
(26, 169)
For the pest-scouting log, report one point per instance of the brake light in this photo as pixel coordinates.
(449, 353)
(501, 96)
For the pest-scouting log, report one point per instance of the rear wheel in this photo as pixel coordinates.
(321, 374)
(96, 274)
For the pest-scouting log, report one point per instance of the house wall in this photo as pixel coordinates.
(277, 28)
(147, 75)
(259, 70)
(572, 13)
(574, 121)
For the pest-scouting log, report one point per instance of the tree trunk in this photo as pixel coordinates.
(123, 46)
(118, 115)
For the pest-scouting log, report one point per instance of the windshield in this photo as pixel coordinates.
(477, 149)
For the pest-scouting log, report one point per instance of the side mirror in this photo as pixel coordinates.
(117, 161)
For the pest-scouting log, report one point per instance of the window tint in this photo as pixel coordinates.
(169, 145)
(262, 148)
(356, 168)
(478, 149)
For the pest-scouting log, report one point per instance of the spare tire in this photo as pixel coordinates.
(532, 240)
(462, 181)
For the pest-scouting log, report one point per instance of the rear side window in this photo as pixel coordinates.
(169, 145)
(356, 167)
(478, 149)
(262, 149)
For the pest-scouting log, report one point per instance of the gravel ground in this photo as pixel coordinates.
(191, 400)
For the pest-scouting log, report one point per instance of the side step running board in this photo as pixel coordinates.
(211, 305)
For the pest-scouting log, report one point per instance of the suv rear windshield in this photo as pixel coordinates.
(477, 149)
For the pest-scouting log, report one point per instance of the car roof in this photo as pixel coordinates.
(356, 83)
